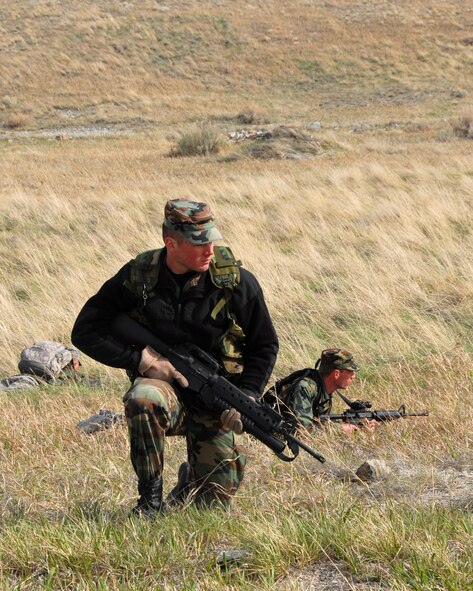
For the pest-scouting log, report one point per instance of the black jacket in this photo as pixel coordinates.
(178, 317)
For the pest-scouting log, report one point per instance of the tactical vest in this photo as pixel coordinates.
(284, 387)
(224, 272)
(281, 394)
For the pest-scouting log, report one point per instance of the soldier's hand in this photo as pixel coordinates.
(231, 419)
(371, 425)
(155, 366)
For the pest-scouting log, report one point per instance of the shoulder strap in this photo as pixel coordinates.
(144, 272)
(294, 377)
(271, 395)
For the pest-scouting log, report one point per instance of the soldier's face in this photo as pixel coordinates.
(344, 378)
(184, 256)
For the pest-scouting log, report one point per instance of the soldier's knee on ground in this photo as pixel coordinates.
(153, 398)
(212, 495)
(218, 471)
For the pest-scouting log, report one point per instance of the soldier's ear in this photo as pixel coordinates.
(170, 243)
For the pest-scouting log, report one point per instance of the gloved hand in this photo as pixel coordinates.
(155, 366)
(231, 419)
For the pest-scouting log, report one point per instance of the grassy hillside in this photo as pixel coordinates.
(365, 245)
(153, 62)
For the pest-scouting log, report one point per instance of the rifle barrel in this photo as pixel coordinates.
(377, 415)
(305, 447)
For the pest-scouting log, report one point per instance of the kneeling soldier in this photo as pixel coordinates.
(190, 291)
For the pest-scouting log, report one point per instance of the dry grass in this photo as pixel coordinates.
(171, 63)
(17, 121)
(359, 262)
(365, 245)
(463, 126)
(203, 140)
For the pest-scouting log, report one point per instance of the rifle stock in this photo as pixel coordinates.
(215, 392)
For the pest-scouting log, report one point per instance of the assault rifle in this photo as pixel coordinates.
(356, 416)
(215, 392)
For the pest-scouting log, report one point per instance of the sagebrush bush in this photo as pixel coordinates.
(463, 127)
(17, 120)
(202, 140)
(252, 116)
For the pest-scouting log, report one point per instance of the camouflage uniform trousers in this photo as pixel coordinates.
(153, 411)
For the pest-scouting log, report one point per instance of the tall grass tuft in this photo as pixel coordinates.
(202, 140)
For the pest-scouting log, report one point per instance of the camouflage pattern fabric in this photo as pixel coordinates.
(231, 348)
(194, 220)
(225, 274)
(20, 382)
(331, 359)
(46, 359)
(154, 411)
(302, 397)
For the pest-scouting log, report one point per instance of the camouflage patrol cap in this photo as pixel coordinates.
(331, 359)
(193, 219)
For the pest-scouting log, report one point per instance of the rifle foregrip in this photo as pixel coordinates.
(215, 391)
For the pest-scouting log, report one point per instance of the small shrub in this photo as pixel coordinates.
(201, 141)
(251, 116)
(17, 120)
(463, 127)
(9, 102)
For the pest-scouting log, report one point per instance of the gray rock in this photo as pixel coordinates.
(373, 470)
(227, 557)
(458, 93)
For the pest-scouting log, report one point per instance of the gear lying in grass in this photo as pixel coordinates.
(100, 421)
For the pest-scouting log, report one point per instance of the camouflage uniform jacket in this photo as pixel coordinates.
(307, 398)
(180, 316)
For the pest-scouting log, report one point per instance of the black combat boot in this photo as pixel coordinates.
(179, 493)
(150, 502)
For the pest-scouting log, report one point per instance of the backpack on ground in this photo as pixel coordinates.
(98, 422)
(47, 360)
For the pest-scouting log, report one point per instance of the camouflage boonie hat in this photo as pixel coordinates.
(194, 220)
(331, 359)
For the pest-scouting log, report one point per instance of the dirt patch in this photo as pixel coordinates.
(68, 132)
(325, 576)
(447, 486)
